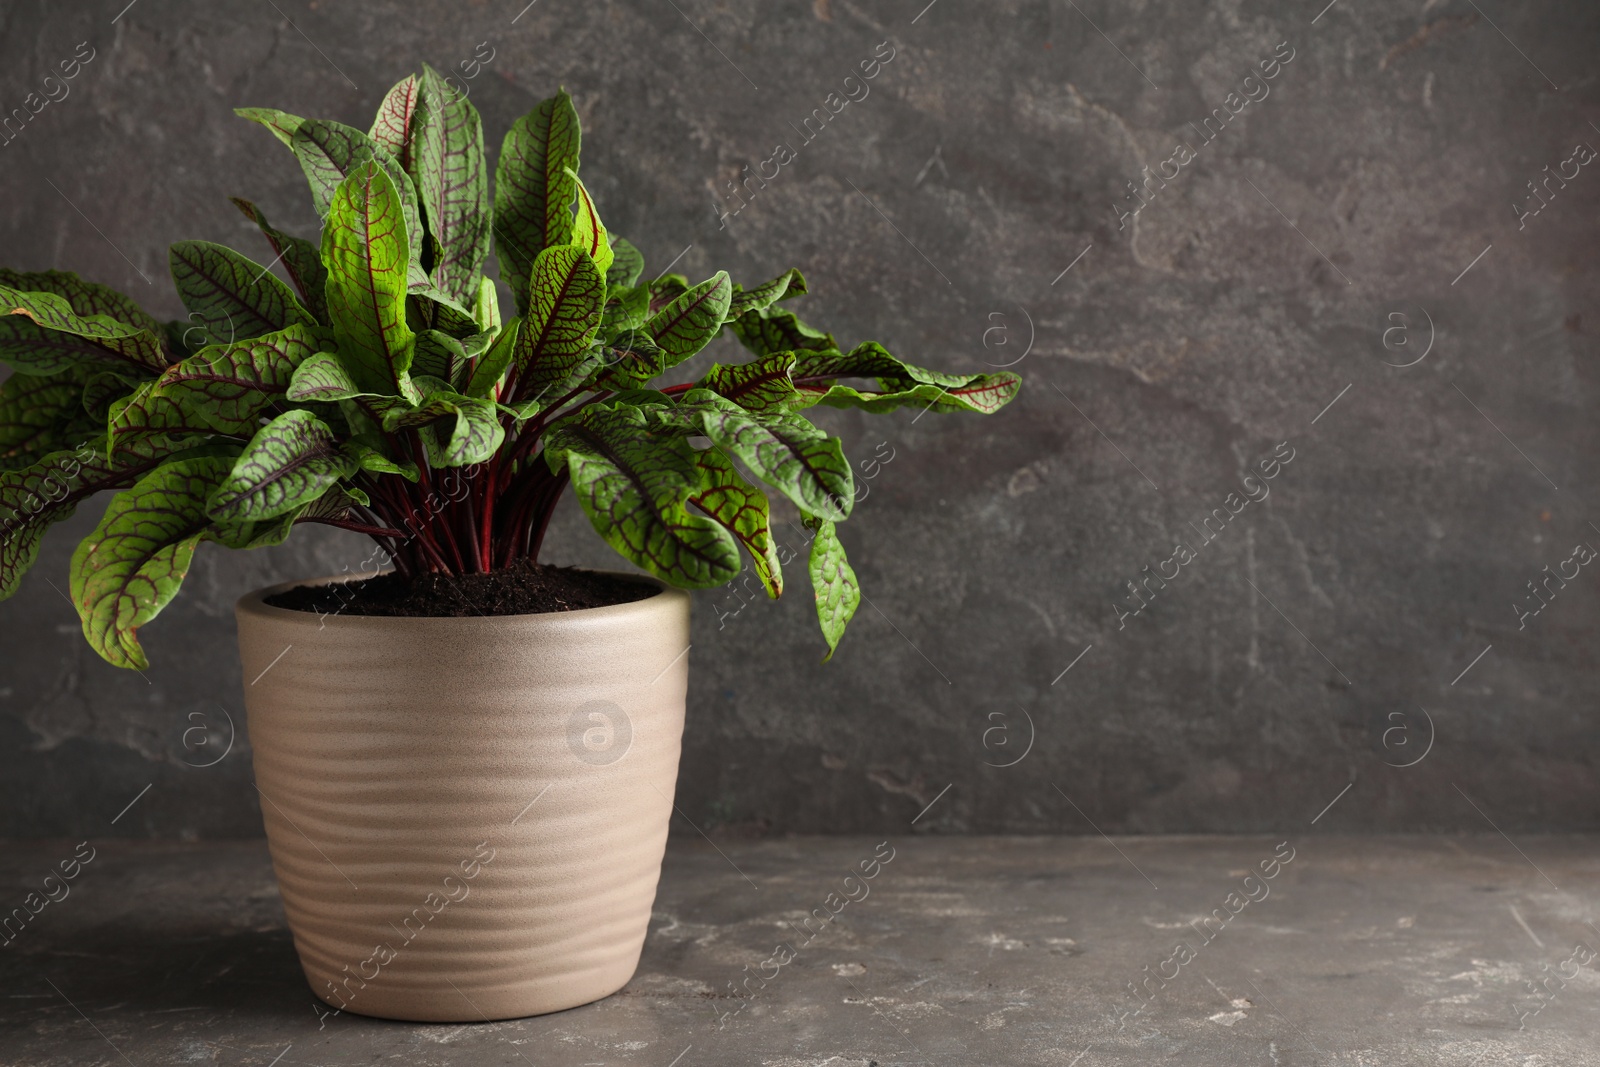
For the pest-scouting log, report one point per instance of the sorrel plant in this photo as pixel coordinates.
(382, 392)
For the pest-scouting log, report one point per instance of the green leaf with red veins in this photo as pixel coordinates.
(329, 152)
(392, 126)
(42, 415)
(776, 330)
(322, 378)
(299, 257)
(232, 298)
(291, 461)
(456, 430)
(365, 248)
(46, 492)
(665, 289)
(84, 297)
(742, 510)
(589, 233)
(223, 388)
(627, 265)
(691, 321)
(783, 450)
(834, 583)
(761, 385)
(369, 456)
(981, 393)
(790, 283)
(125, 572)
(626, 309)
(899, 383)
(636, 488)
(534, 186)
(439, 355)
(567, 298)
(40, 333)
(102, 388)
(281, 123)
(33, 497)
(448, 168)
(629, 360)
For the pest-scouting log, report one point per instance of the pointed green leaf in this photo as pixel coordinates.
(329, 152)
(322, 378)
(368, 454)
(32, 498)
(761, 385)
(84, 297)
(219, 389)
(665, 289)
(102, 388)
(635, 489)
(626, 309)
(589, 233)
(486, 308)
(393, 125)
(627, 265)
(834, 583)
(899, 383)
(689, 323)
(775, 330)
(790, 283)
(448, 168)
(534, 188)
(41, 334)
(299, 257)
(438, 354)
(783, 450)
(125, 572)
(291, 461)
(458, 430)
(742, 510)
(40, 415)
(281, 123)
(364, 247)
(232, 298)
(491, 367)
(630, 360)
(983, 393)
(568, 296)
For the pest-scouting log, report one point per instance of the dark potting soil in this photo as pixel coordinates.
(526, 588)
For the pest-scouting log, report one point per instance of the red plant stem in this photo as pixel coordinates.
(421, 539)
(358, 527)
(486, 519)
(446, 532)
(547, 508)
(469, 531)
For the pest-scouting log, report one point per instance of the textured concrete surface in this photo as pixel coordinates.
(1296, 261)
(1369, 952)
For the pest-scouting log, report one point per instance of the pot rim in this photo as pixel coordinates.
(253, 603)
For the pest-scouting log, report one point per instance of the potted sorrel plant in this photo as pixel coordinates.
(466, 764)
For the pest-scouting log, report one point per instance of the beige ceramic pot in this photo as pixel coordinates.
(466, 816)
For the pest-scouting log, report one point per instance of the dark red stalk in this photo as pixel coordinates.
(357, 527)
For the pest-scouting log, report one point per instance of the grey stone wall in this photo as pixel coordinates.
(1340, 274)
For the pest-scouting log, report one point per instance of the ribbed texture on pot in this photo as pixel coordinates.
(397, 760)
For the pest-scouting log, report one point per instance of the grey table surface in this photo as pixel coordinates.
(1367, 951)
